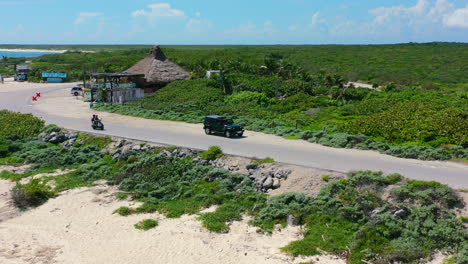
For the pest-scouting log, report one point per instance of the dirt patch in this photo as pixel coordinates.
(15, 169)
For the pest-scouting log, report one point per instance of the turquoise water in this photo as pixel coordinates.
(17, 54)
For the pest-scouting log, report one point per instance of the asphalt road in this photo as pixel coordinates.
(252, 145)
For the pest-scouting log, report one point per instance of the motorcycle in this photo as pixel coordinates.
(97, 125)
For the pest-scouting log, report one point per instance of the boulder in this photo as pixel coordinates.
(292, 220)
(276, 183)
(252, 166)
(268, 183)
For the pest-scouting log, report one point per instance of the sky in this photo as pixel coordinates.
(198, 22)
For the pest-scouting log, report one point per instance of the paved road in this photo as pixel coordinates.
(253, 145)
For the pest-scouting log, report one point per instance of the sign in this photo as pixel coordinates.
(54, 80)
(54, 75)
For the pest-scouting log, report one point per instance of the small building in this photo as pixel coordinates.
(212, 73)
(113, 87)
(22, 73)
(157, 70)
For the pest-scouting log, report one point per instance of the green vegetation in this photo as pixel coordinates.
(275, 92)
(326, 177)
(122, 196)
(18, 126)
(264, 161)
(430, 65)
(91, 140)
(464, 219)
(146, 224)
(380, 219)
(31, 194)
(214, 152)
(124, 211)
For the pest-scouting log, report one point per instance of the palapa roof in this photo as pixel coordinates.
(158, 70)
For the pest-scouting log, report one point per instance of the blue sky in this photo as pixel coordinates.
(232, 22)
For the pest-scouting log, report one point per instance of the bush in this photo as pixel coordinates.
(19, 126)
(214, 152)
(264, 161)
(51, 128)
(146, 224)
(32, 194)
(124, 211)
(427, 193)
(279, 207)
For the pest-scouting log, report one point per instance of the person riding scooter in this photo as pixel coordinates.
(96, 123)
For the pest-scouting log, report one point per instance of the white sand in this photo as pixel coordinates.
(10, 86)
(79, 227)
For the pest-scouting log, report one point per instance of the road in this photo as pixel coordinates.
(58, 107)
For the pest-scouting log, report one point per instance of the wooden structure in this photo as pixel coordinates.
(113, 87)
(22, 73)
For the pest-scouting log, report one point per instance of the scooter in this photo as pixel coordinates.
(97, 125)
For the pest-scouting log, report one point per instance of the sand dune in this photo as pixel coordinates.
(79, 227)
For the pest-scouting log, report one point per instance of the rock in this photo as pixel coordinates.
(259, 177)
(136, 147)
(252, 166)
(376, 211)
(268, 183)
(292, 220)
(116, 156)
(126, 149)
(281, 174)
(276, 183)
(73, 136)
(121, 143)
(400, 213)
(251, 171)
(105, 152)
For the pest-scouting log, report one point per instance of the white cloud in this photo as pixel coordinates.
(316, 19)
(459, 18)
(159, 10)
(83, 17)
(198, 25)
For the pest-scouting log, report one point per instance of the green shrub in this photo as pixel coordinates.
(51, 128)
(32, 194)
(214, 152)
(279, 207)
(122, 196)
(146, 224)
(326, 177)
(427, 193)
(19, 126)
(91, 140)
(124, 211)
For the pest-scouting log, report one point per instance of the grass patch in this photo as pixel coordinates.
(122, 196)
(88, 139)
(146, 224)
(292, 137)
(464, 219)
(18, 177)
(264, 161)
(326, 177)
(124, 211)
(214, 152)
(324, 232)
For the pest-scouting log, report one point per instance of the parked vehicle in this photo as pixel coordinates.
(223, 125)
(76, 91)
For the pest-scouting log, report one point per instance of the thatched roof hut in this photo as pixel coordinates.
(158, 70)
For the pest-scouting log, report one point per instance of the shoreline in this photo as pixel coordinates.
(34, 50)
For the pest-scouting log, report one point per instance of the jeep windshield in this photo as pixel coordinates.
(229, 122)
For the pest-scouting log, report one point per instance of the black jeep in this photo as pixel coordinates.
(222, 124)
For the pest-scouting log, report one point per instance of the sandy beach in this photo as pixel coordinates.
(79, 227)
(34, 50)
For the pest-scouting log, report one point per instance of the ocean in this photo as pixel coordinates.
(18, 54)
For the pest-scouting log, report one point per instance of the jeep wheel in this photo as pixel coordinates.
(228, 134)
(208, 131)
(76, 94)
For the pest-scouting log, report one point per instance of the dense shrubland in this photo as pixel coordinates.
(414, 220)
